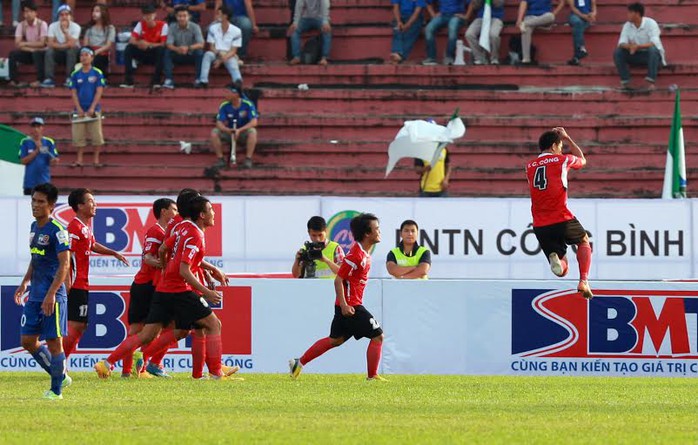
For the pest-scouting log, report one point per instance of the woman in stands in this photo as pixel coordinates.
(100, 37)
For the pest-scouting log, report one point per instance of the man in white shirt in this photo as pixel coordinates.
(224, 39)
(639, 45)
(63, 46)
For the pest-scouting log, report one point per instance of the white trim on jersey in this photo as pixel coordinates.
(352, 264)
(153, 240)
(563, 175)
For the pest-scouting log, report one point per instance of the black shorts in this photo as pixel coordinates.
(78, 305)
(361, 324)
(556, 237)
(139, 303)
(185, 308)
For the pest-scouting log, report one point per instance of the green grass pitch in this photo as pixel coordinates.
(328, 409)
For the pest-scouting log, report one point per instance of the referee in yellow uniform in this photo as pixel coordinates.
(409, 260)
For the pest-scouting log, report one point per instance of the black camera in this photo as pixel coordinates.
(312, 251)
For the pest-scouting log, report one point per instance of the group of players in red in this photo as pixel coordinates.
(171, 292)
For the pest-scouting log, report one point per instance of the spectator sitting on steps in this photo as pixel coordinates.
(63, 46)
(451, 15)
(147, 46)
(30, 44)
(534, 14)
(237, 118)
(639, 45)
(307, 16)
(224, 39)
(100, 37)
(583, 16)
(407, 26)
(185, 46)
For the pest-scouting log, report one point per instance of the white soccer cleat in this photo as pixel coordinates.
(556, 265)
(585, 290)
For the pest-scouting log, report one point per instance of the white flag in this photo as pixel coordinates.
(486, 24)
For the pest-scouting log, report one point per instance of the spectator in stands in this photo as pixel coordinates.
(534, 14)
(38, 153)
(185, 46)
(16, 6)
(434, 181)
(451, 14)
(407, 26)
(329, 256)
(244, 18)
(63, 46)
(583, 16)
(307, 16)
(87, 86)
(100, 37)
(409, 260)
(639, 45)
(30, 44)
(235, 112)
(195, 7)
(472, 35)
(224, 39)
(147, 45)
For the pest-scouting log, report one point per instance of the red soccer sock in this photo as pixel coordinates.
(584, 260)
(158, 347)
(126, 347)
(214, 352)
(320, 347)
(71, 341)
(198, 355)
(373, 357)
(127, 364)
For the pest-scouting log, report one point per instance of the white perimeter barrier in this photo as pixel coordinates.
(431, 327)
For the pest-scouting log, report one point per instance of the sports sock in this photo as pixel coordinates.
(43, 358)
(57, 372)
(126, 347)
(373, 357)
(198, 355)
(71, 341)
(158, 347)
(320, 347)
(214, 351)
(127, 364)
(584, 260)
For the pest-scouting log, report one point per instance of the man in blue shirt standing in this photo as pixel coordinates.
(583, 16)
(452, 15)
(86, 85)
(38, 153)
(45, 311)
(237, 118)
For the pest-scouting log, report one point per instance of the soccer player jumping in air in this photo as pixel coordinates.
(44, 315)
(350, 317)
(553, 223)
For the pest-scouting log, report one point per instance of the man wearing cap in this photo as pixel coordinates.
(185, 45)
(147, 45)
(30, 44)
(240, 112)
(86, 86)
(63, 45)
(38, 154)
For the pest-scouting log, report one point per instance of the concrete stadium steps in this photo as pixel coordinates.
(333, 126)
(437, 103)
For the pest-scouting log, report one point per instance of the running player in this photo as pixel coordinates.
(82, 244)
(146, 279)
(553, 223)
(177, 300)
(350, 317)
(44, 315)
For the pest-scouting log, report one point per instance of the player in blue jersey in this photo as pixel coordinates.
(45, 312)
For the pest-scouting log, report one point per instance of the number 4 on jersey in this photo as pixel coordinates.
(539, 179)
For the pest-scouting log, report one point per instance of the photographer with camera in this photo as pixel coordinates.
(319, 257)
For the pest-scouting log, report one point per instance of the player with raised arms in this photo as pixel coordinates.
(44, 314)
(175, 298)
(143, 286)
(351, 318)
(553, 223)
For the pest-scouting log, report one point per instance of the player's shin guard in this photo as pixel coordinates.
(584, 260)
(214, 352)
(125, 348)
(373, 357)
(198, 354)
(57, 372)
(157, 349)
(320, 347)
(43, 358)
(70, 341)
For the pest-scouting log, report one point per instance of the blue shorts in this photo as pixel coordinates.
(34, 322)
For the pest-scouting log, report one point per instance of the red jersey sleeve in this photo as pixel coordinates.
(338, 255)
(574, 162)
(349, 267)
(190, 250)
(153, 240)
